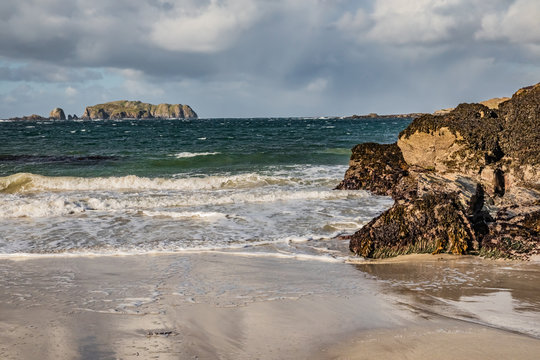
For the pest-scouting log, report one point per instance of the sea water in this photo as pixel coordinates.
(151, 186)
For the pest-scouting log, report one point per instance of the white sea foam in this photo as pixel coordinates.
(57, 204)
(281, 207)
(190, 154)
(208, 216)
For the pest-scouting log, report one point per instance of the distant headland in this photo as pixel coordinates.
(378, 116)
(122, 109)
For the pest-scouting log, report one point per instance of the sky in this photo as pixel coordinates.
(259, 58)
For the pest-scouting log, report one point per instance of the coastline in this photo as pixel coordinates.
(220, 305)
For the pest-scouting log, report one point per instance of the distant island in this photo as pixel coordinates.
(125, 109)
(55, 114)
(122, 109)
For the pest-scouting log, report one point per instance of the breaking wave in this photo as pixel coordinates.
(26, 182)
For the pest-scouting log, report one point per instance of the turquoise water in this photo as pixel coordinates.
(175, 185)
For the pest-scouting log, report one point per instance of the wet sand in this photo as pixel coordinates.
(224, 306)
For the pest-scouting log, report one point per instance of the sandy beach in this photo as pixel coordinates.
(229, 306)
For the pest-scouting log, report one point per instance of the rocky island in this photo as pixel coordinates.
(55, 114)
(464, 182)
(124, 109)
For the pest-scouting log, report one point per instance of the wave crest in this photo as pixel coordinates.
(26, 182)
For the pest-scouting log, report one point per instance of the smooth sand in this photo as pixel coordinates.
(223, 306)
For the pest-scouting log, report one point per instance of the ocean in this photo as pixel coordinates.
(165, 186)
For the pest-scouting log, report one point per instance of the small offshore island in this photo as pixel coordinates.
(122, 109)
(466, 181)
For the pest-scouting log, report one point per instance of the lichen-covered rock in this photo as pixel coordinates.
(465, 140)
(124, 109)
(374, 167)
(57, 114)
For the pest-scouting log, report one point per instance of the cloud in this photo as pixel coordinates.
(317, 85)
(261, 57)
(207, 29)
(354, 21)
(44, 72)
(71, 91)
(519, 23)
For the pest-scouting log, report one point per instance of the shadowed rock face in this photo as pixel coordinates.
(467, 182)
(137, 110)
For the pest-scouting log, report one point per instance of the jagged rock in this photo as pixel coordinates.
(467, 182)
(374, 167)
(57, 114)
(124, 109)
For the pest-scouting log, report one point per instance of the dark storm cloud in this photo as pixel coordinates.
(287, 56)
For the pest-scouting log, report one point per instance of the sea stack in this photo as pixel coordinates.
(467, 182)
(57, 114)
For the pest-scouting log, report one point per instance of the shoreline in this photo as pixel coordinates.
(221, 305)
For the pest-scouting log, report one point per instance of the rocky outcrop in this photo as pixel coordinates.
(463, 183)
(494, 103)
(138, 110)
(57, 114)
(491, 103)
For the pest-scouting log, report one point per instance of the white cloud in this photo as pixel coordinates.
(207, 29)
(519, 23)
(414, 22)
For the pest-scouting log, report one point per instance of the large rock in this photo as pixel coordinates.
(124, 109)
(374, 167)
(434, 223)
(464, 141)
(57, 114)
(467, 182)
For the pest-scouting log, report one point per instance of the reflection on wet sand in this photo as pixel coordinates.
(501, 294)
(230, 306)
